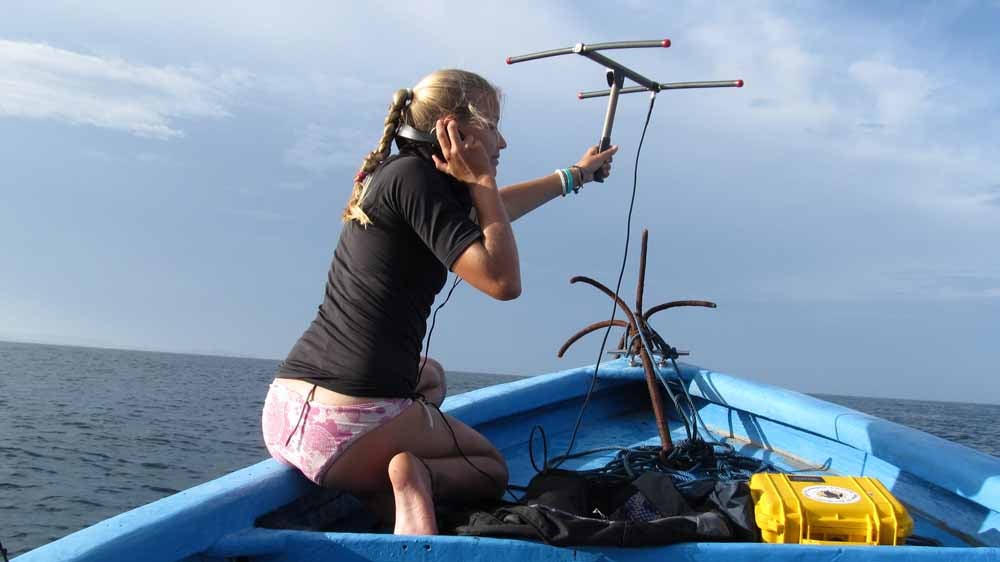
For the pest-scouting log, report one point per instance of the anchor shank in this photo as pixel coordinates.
(656, 398)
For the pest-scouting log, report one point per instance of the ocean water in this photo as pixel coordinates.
(88, 433)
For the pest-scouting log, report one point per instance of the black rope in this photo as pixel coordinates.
(306, 406)
(467, 459)
(618, 286)
(3, 552)
(687, 462)
(545, 448)
(430, 332)
(690, 430)
(422, 398)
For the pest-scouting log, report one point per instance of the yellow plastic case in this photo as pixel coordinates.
(837, 510)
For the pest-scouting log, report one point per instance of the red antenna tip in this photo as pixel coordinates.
(739, 83)
(508, 60)
(665, 43)
(579, 96)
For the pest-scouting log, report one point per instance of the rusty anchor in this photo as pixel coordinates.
(638, 329)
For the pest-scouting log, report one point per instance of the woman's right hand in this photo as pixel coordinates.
(464, 158)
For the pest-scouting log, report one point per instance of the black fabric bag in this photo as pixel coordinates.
(563, 508)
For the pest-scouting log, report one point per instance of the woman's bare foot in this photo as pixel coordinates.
(411, 486)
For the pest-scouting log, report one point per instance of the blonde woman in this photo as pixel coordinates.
(354, 404)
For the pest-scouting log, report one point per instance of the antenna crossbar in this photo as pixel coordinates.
(616, 74)
(665, 86)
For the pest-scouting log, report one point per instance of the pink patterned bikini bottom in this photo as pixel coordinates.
(310, 436)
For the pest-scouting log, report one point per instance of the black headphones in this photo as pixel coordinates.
(424, 144)
(416, 135)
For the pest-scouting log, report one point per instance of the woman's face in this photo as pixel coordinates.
(486, 130)
(490, 137)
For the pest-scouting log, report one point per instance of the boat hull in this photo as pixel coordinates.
(952, 491)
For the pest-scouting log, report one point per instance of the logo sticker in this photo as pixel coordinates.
(831, 494)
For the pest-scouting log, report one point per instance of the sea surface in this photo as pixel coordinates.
(88, 433)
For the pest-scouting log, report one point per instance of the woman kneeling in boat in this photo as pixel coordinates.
(354, 405)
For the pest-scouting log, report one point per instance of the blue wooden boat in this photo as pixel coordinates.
(952, 492)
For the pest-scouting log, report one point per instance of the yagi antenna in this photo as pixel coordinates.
(616, 75)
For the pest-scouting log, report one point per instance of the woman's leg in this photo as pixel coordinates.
(371, 464)
(432, 386)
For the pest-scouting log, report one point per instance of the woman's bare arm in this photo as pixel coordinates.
(490, 264)
(521, 198)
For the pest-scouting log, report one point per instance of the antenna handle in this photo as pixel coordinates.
(601, 147)
(616, 79)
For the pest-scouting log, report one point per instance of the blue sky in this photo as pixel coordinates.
(173, 177)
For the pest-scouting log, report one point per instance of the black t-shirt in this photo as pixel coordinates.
(366, 338)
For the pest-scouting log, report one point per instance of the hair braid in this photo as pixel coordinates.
(375, 157)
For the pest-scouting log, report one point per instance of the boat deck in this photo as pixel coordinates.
(633, 429)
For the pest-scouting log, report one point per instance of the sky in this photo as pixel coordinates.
(173, 175)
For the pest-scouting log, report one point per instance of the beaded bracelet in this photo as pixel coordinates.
(579, 178)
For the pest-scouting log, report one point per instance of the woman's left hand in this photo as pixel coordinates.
(592, 160)
(465, 157)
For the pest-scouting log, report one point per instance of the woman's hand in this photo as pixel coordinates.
(464, 158)
(592, 160)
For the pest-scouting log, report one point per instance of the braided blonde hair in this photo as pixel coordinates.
(468, 97)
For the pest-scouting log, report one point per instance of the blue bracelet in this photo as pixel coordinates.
(569, 180)
(562, 181)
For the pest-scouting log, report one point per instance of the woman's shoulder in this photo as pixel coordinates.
(409, 172)
(406, 165)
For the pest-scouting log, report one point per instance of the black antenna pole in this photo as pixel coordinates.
(616, 75)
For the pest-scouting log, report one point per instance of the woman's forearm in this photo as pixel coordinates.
(522, 198)
(501, 261)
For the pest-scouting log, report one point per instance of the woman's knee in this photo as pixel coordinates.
(498, 474)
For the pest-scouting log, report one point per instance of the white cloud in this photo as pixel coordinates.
(872, 102)
(899, 94)
(783, 71)
(44, 82)
(320, 148)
